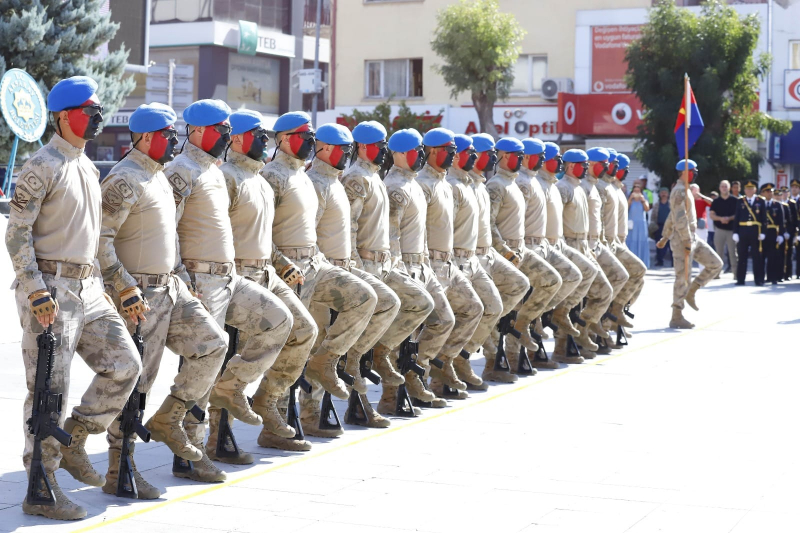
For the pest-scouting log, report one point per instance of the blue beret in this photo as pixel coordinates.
(682, 165)
(463, 142)
(245, 120)
(71, 92)
(509, 144)
(334, 134)
(597, 154)
(612, 155)
(369, 132)
(206, 113)
(151, 117)
(405, 140)
(551, 150)
(575, 156)
(624, 161)
(482, 142)
(438, 137)
(533, 146)
(291, 120)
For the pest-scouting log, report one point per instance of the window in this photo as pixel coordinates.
(528, 74)
(400, 78)
(794, 54)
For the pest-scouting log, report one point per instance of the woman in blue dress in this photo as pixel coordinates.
(638, 241)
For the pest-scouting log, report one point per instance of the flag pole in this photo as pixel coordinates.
(686, 123)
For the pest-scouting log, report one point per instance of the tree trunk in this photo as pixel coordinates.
(484, 106)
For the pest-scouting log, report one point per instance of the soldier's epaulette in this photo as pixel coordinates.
(791, 201)
(761, 197)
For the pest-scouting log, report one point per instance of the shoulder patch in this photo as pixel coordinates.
(32, 181)
(124, 189)
(177, 182)
(354, 186)
(112, 200)
(526, 192)
(495, 195)
(21, 199)
(398, 197)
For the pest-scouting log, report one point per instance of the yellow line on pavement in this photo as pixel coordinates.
(388, 431)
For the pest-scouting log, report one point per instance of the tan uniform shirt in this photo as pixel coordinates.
(55, 213)
(407, 213)
(610, 212)
(535, 208)
(622, 211)
(295, 202)
(484, 209)
(595, 208)
(201, 197)
(507, 210)
(333, 211)
(439, 218)
(555, 209)
(369, 207)
(138, 233)
(465, 210)
(576, 207)
(685, 223)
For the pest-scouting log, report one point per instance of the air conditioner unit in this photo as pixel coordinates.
(552, 86)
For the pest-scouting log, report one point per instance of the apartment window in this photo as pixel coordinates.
(528, 74)
(794, 54)
(399, 78)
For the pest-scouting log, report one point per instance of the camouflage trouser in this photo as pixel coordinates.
(178, 321)
(586, 267)
(87, 324)
(489, 295)
(512, 284)
(703, 254)
(570, 275)
(545, 282)
(465, 303)
(636, 271)
(257, 313)
(440, 322)
(612, 268)
(600, 292)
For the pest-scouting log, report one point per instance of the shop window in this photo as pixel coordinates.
(794, 55)
(394, 78)
(528, 74)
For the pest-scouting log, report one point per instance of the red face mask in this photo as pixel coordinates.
(533, 162)
(622, 174)
(514, 162)
(339, 156)
(162, 147)
(599, 168)
(84, 121)
(444, 159)
(486, 161)
(215, 139)
(415, 159)
(554, 165)
(466, 159)
(612, 169)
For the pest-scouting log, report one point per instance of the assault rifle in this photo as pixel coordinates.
(407, 362)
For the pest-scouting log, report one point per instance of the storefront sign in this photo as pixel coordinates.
(791, 88)
(254, 83)
(520, 122)
(599, 114)
(248, 37)
(608, 56)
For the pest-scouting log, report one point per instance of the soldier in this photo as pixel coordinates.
(773, 235)
(463, 301)
(206, 264)
(465, 242)
(321, 283)
(790, 230)
(137, 254)
(510, 282)
(52, 238)
(370, 248)
(576, 231)
(795, 197)
(252, 210)
(748, 233)
(333, 150)
(685, 242)
(508, 233)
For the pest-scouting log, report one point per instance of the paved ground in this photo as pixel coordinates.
(680, 432)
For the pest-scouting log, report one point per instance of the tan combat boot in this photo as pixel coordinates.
(599, 330)
(374, 420)
(64, 508)
(678, 322)
(617, 310)
(265, 404)
(467, 375)
(584, 340)
(322, 369)
(268, 439)
(388, 401)
(437, 387)
(214, 418)
(145, 490)
(228, 394)
(166, 426)
(310, 415)
(539, 329)
(352, 366)
(560, 352)
(382, 365)
(447, 374)
(490, 374)
(203, 470)
(416, 388)
(563, 322)
(74, 458)
(689, 297)
(527, 341)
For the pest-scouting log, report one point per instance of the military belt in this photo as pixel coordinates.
(413, 258)
(532, 241)
(208, 267)
(151, 280)
(773, 226)
(594, 237)
(378, 257)
(252, 263)
(482, 250)
(578, 236)
(750, 223)
(303, 252)
(515, 243)
(463, 252)
(64, 270)
(436, 255)
(341, 263)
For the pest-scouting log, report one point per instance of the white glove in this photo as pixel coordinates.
(786, 236)
(797, 238)
(780, 239)
(735, 237)
(761, 236)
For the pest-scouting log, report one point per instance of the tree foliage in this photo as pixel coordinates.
(55, 39)
(479, 46)
(716, 49)
(405, 118)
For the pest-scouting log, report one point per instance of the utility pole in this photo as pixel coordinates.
(170, 81)
(317, 74)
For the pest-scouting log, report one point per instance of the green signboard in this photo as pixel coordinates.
(248, 37)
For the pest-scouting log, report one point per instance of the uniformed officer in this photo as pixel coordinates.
(252, 211)
(512, 284)
(137, 254)
(773, 235)
(52, 238)
(206, 263)
(795, 196)
(748, 232)
(685, 242)
(333, 150)
(370, 247)
(790, 230)
(295, 235)
(465, 242)
(576, 233)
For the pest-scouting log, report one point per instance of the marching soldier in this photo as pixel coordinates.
(252, 211)
(635, 267)
(137, 255)
(52, 238)
(748, 233)
(206, 264)
(685, 242)
(773, 235)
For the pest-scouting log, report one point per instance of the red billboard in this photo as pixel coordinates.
(599, 114)
(608, 56)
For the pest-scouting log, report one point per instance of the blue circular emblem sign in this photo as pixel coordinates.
(23, 105)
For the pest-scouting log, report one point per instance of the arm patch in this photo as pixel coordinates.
(177, 182)
(21, 199)
(398, 198)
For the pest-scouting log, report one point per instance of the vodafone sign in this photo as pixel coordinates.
(791, 87)
(599, 114)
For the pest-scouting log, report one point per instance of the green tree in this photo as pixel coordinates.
(405, 118)
(479, 46)
(55, 39)
(716, 49)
